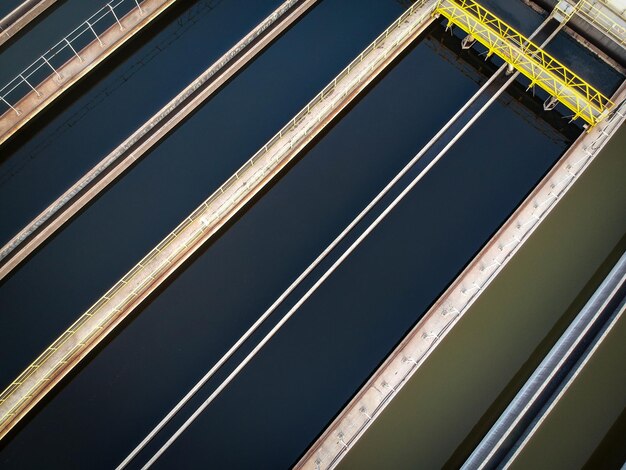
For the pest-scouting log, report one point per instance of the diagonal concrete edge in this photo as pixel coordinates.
(96, 180)
(79, 66)
(167, 257)
(21, 16)
(384, 384)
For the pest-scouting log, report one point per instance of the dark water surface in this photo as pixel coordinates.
(300, 380)
(95, 116)
(135, 214)
(269, 415)
(7, 6)
(563, 47)
(472, 375)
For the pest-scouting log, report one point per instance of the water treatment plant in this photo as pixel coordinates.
(312, 234)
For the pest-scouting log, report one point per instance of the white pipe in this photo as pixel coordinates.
(304, 274)
(325, 276)
(316, 262)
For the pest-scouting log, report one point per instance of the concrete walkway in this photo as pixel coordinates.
(439, 416)
(79, 65)
(19, 18)
(420, 342)
(147, 136)
(93, 326)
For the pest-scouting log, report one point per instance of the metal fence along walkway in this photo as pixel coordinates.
(68, 47)
(525, 56)
(171, 253)
(72, 58)
(601, 18)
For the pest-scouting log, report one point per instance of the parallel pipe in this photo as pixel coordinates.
(546, 379)
(111, 167)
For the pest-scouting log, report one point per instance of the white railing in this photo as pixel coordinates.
(594, 15)
(412, 355)
(49, 63)
(252, 172)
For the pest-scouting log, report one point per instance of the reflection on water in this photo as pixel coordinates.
(468, 381)
(306, 374)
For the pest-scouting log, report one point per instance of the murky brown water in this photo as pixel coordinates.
(382, 289)
(578, 422)
(470, 378)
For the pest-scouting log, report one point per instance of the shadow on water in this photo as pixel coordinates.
(137, 161)
(92, 118)
(304, 376)
(134, 56)
(8, 6)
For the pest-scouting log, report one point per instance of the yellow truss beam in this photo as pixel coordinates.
(525, 56)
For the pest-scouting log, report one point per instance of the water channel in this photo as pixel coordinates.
(314, 365)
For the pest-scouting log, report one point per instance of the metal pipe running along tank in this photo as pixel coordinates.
(545, 380)
(158, 265)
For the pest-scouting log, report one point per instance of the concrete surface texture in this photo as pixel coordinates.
(19, 18)
(147, 136)
(79, 65)
(90, 328)
(451, 396)
(420, 343)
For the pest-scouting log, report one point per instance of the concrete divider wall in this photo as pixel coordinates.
(420, 342)
(79, 65)
(58, 359)
(28, 11)
(148, 135)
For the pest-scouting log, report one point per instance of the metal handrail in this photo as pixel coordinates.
(594, 15)
(528, 58)
(104, 18)
(412, 354)
(202, 213)
(613, 7)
